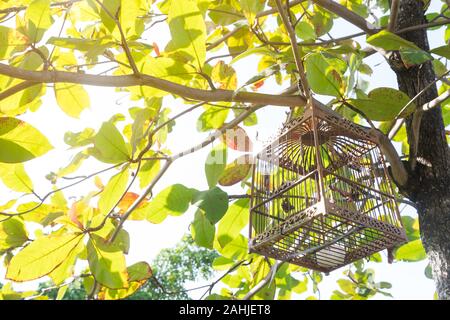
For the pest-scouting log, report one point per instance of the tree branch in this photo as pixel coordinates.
(292, 37)
(150, 81)
(267, 279)
(125, 46)
(170, 160)
(21, 8)
(436, 101)
(348, 15)
(393, 16)
(17, 88)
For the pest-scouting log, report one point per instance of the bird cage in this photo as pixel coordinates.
(321, 197)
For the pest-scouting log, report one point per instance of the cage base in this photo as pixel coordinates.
(325, 238)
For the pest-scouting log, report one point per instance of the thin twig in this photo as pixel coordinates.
(125, 46)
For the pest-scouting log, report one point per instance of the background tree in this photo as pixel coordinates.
(58, 47)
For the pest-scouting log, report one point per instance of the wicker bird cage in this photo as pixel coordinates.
(321, 196)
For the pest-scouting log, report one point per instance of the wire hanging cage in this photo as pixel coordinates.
(321, 196)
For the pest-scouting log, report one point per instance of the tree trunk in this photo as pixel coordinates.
(429, 181)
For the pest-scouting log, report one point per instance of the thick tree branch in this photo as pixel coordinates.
(146, 80)
(348, 15)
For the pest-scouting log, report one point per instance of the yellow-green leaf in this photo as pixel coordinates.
(39, 19)
(113, 191)
(20, 142)
(412, 251)
(322, 75)
(66, 269)
(15, 177)
(109, 145)
(188, 30)
(138, 274)
(12, 234)
(236, 249)
(215, 164)
(233, 222)
(107, 263)
(384, 104)
(173, 200)
(202, 230)
(71, 98)
(41, 257)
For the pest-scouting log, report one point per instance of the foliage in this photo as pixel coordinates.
(173, 268)
(72, 44)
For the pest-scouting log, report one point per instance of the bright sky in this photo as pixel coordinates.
(147, 240)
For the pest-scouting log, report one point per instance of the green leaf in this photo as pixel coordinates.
(109, 145)
(173, 200)
(202, 230)
(138, 274)
(41, 256)
(384, 104)
(39, 19)
(410, 53)
(212, 118)
(113, 191)
(107, 263)
(213, 202)
(20, 142)
(148, 171)
(389, 41)
(443, 51)
(411, 226)
(412, 251)
(15, 177)
(305, 30)
(428, 272)
(71, 98)
(215, 164)
(236, 171)
(322, 76)
(233, 222)
(188, 30)
(412, 57)
(12, 234)
(236, 249)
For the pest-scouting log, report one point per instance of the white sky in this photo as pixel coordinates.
(147, 240)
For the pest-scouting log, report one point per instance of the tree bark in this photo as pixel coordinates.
(429, 179)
